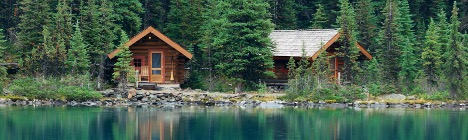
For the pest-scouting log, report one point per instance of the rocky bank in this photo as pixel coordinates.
(179, 98)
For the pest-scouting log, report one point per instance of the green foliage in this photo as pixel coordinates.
(51, 88)
(126, 13)
(406, 39)
(301, 80)
(390, 49)
(283, 14)
(30, 29)
(320, 19)
(3, 70)
(366, 21)
(123, 69)
(75, 93)
(438, 96)
(77, 58)
(456, 56)
(348, 51)
(241, 47)
(431, 57)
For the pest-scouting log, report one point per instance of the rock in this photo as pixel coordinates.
(393, 97)
(108, 92)
(428, 104)
(131, 92)
(144, 99)
(321, 102)
(89, 103)
(270, 104)
(412, 97)
(2, 101)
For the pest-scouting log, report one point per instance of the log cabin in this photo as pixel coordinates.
(156, 57)
(289, 43)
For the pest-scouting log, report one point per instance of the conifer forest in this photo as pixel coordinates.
(419, 47)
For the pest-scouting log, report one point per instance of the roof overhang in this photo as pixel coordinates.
(157, 34)
(333, 40)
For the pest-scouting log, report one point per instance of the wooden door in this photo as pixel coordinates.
(157, 71)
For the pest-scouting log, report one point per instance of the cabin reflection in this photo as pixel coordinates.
(153, 124)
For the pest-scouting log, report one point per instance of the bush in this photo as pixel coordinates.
(439, 96)
(78, 93)
(52, 88)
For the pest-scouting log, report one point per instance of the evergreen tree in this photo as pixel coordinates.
(185, 21)
(283, 14)
(99, 31)
(406, 38)
(63, 22)
(373, 72)
(444, 31)
(155, 13)
(456, 65)
(78, 59)
(122, 67)
(3, 70)
(127, 14)
(367, 25)
(35, 15)
(321, 69)
(431, 57)
(390, 51)
(320, 19)
(348, 51)
(242, 48)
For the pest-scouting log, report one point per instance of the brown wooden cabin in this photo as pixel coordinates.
(157, 56)
(289, 43)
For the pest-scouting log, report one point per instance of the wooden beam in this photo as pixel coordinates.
(157, 34)
(325, 47)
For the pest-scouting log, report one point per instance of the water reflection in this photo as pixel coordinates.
(230, 123)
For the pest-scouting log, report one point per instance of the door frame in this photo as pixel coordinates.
(150, 57)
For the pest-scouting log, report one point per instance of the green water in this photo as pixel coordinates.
(203, 123)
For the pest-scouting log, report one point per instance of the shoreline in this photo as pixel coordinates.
(173, 98)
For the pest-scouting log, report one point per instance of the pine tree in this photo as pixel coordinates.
(321, 69)
(319, 18)
(35, 15)
(242, 48)
(367, 25)
(63, 22)
(99, 31)
(456, 65)
(431, 57)
(3, 70)
(408, 58)
(122, 67)
(155, 13)
(127, 15)
(185, 21)
(390, 51)
(444, 31)
(348, 50)
(78, 59)
(283, 14)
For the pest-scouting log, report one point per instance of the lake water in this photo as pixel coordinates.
(204, 123)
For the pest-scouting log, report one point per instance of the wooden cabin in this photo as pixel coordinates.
(157, 58)
(289, 43)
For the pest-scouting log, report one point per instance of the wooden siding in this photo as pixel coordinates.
(173, 59)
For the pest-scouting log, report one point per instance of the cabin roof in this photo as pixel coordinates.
(290, 42)
(157, 34)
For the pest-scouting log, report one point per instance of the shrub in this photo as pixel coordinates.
(52, 88)
(78, 93)
(439, 95)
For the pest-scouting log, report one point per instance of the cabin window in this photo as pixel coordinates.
(137, 62)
